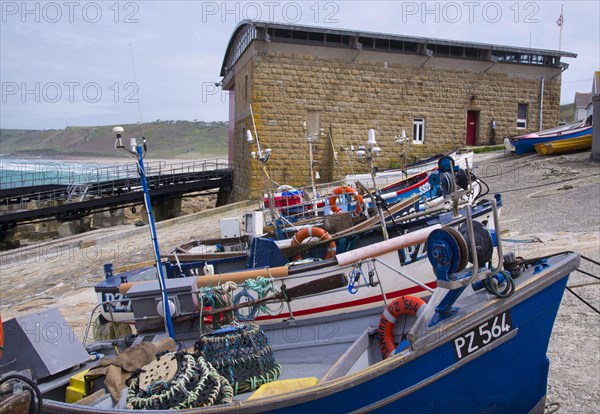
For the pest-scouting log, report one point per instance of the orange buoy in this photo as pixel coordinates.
(404, 305)
(313, 231)
(345, 190)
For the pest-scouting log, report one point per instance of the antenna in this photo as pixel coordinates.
(138, 89)
(335, 154)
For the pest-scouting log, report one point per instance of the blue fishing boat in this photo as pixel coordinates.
(524, 144)
(478, 342)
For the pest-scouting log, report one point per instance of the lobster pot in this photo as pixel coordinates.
(177, 381)
(242, 354)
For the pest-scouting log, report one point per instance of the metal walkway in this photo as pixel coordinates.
(114, 187)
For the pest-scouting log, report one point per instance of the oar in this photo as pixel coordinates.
(313, 287)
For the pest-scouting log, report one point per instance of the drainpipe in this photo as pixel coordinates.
(542, 105)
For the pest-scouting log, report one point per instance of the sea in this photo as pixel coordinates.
(23, 172)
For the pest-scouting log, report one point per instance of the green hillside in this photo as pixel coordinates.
(166, 139)
(567, 113)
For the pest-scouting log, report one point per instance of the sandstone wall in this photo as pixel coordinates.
(352, 91)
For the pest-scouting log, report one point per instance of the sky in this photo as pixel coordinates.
(66, 63)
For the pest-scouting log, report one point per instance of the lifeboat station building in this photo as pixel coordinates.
(444, 94)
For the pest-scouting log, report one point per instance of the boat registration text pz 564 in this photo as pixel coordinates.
(482, 335)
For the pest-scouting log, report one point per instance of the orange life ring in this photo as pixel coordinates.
(313, 231)
(345, 190)
(404, 305)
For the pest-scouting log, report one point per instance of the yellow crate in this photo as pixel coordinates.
(76, 389)
(283, 386)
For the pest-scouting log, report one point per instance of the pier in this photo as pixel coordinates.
(108, 188)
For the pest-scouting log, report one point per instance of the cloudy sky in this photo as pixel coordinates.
(70, 62)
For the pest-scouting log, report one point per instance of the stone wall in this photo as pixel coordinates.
(352, 91)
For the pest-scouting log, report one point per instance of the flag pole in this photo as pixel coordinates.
(562, 23)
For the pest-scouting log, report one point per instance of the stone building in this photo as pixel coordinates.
(444, 94)
(580, 105)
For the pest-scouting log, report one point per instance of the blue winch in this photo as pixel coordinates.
(450, 250)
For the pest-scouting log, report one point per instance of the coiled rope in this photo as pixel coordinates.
(263, 287)
(219, 297)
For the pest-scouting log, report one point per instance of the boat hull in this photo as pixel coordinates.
(526, 144)
(505, 375)
(564, 145)
(441, 384)
(409, 260)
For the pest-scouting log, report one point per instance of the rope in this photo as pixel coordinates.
(590, 260)
(588, 274)
(220, 297)
(33, 390)
(552, 408)
(584, 284)
(583, 300)
(526, 241)
(509, 289)
(263, 286)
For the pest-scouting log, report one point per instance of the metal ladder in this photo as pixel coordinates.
(76, 192)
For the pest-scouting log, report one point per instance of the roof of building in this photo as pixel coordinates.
(582, 99)
(249, 30)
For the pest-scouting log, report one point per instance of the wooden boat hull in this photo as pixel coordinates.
(565, 145)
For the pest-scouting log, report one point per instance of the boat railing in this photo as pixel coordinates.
(347, 269)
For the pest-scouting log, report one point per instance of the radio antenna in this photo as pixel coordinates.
(138, 90)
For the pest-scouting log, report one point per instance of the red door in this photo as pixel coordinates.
(471, 127)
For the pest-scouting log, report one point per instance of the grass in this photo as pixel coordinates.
(166, 139)
(487, 148)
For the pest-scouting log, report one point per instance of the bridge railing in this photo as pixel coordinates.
(31, 174)
(117, 180)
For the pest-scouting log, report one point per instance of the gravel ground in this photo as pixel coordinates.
(553, 202)
(556, 200)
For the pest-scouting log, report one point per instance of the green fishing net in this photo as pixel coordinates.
(242, 354)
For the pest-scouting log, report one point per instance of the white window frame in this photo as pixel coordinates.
(418, 131)
(522, 122)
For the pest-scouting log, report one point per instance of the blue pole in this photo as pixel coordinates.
(161, 276)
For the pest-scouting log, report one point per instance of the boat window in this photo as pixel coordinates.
(522, 116)
(418, 130)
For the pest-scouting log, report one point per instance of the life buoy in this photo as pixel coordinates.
(345, 190)
(404, 305)
(313, 231)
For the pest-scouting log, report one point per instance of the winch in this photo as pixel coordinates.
(450, 250)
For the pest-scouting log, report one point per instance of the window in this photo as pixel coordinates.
(418, 130)
(522, 116)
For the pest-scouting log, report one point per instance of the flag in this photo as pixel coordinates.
(559, 22)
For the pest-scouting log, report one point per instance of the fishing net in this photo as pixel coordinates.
(242, 354)
(177, 380)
